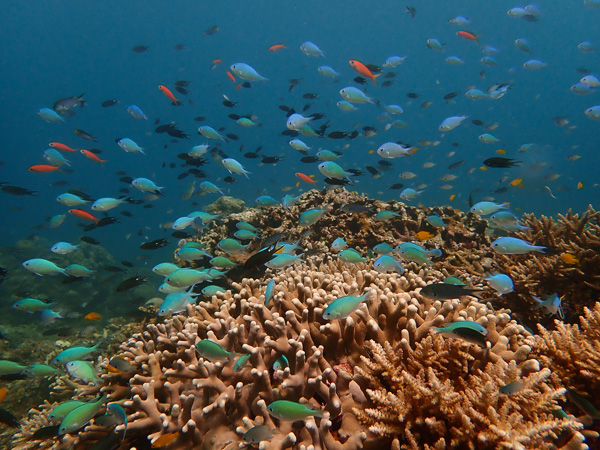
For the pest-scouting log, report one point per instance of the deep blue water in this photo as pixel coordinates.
(65, 48)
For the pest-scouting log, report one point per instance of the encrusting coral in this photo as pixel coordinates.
(382, 376)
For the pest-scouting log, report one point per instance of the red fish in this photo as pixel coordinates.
(215, 63)
(165, 90)
(363, 70)
(43, 168)
(230, 76)
(92, 156)
(62, 147)
(81, 214)
(305, 178)
(468, 36)
(276, 47)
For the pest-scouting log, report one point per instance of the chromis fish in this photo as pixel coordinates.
(485, 208)
(211, 290)
(164, 269)
(385, 263)
(338, 245)
(465, 329)
(391, 150)
(210, 133)
(241, 362)
(515, 246)
(453, 280)
(269, 292)
(187, 277)
(73, 354)
(210, 188)
(130, 146)
(333, 170)
(265, 201)
(383, 249)
(221, 262)
(283, 260)
(176, 302)
(435, 221)
(246, 72)
(108, 203)
(146, 185)
(257, 434)
(582, 403)
(80, 416)
(83, 370)
(445, 291)
(64, 248)
(297, 121)
(450, 123)
(135, 112)
(230, 246)
(383, 216)
(503, 284)
(552, 304)
(345, 105)
(328, 71)
(49, 115)
(413, 254)
(31, 305)
(310, 217)
(212, 351)
(78, 271)
(119, 414)
(409, 193)
(62, 409)
(311, 49)
(234, 166)
(355, 95)
(292, 411)
(342, 307)
(350, 256)
(48, 316)
(281, 363)
(43, 267)
(10, 367)
(512, 388)
(40, 370)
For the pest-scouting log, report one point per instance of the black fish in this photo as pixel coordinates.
(60, 183)
(111, 102)
(139, 49)
(235, 116)
(233, 137)
(64, 104)
(384, 163)
(396, 186)
(271, 159)
(182, 83)
(445, 291)
(107, 221)
(181, 235)
(310, 96)
(127, 180)
(84, 135)
(246, 85)
(81, 194)
(306, 107)
(179, 47)
(113, 269)
(229, 103)
(309, 159)
(251, 155)
(8, 419)
(499, 162)
(199, 118)
(229, 179)
(355, 172)
(182, 175)
(372, 170)
(450, 95)
(181, 90)
(353, 208)
(89, 240)
(411, 10)
(360, 80)
(477, 122)
(337, 135)
(336, 182)
(153, 245)
(126, 214)
(285, 108)
(373, 68)
(48, 432)
(16, 190)
(455, 165)
(127, 264)
(263, 256)
(293, 83)
(212, 30)
(290, 133)
(131, 283)
(501, 190)
(387, 83)
(412, 95)
(13, 377)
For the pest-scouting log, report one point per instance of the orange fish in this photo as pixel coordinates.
(165, 90)
(81, 214)
(452, 197)
(43, 168)
(230, 76)
(112, 369)
(579, 185)
(468, 36)
(276, 47)
(215, 63)
(59, 146)
(305, 178)
(93, 316)
(501, 151)
(517, 182)
(92, 156)
(363, 70)
(424, 235)
(3, 391)
(165, 440)
(567, 258)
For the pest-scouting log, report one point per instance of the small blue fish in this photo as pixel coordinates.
(465, 329)
(342, 307)
(265, 201)
(135, 112)
(436, 221)
(350, 256)
(338, 245)
(283, 260)
(515, 246)
(269, 292)
(552, 303)
(246, 72)
(241, 362)
(501, 283)
(385, 263)
(383, 249)
(49, 115)
(311, 216)
(383, 216)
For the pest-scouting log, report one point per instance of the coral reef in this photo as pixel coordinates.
(382, 377)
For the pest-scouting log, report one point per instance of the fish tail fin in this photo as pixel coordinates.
(374, 78)
(546, 250)
(318, 413)
(477, 293)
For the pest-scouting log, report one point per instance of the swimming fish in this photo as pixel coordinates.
(212, 351)
(246, 72)
(83, 370)
(445, 291)
(257, 434)
(282, 260)
(311, 49)
(130, 146)
(450, 123)
(292, 411)
(63, 248)
(338, 245)
(135, 112)
(73, 354)
(363, 70)
(333, 170)
(355, 95)
(43, 267)
(515, 246)
(49, 115)
(167, 93)
(485, 208)
(350, 256)
(342, 307)
(81, 415)
(234, 166)
(552, 303)
(467, 330)
(502, 283)
(385, 263)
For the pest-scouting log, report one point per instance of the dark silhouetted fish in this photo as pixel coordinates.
(139, 49)
(155, 244)
(131, 283)
(396, 186)
(84, 135)
(310, 96)
(412, 95)
(49, 432)
(89, 240)
(111, 102)
(8, 419)
(212, 30)
(16, 190)
(498, 162)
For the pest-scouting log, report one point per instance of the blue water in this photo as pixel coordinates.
(65, 48)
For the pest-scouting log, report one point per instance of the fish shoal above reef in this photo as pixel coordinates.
(381, 376)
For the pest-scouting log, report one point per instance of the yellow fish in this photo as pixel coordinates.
(93, 316)
(501, 151)
(165, 440)
(579, 185)
(452, 197)
(424, 235)
(517, 182)
(567, 258)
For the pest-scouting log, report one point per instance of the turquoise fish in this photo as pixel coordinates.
(467, 330)
(342, 307)
(292, 411)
